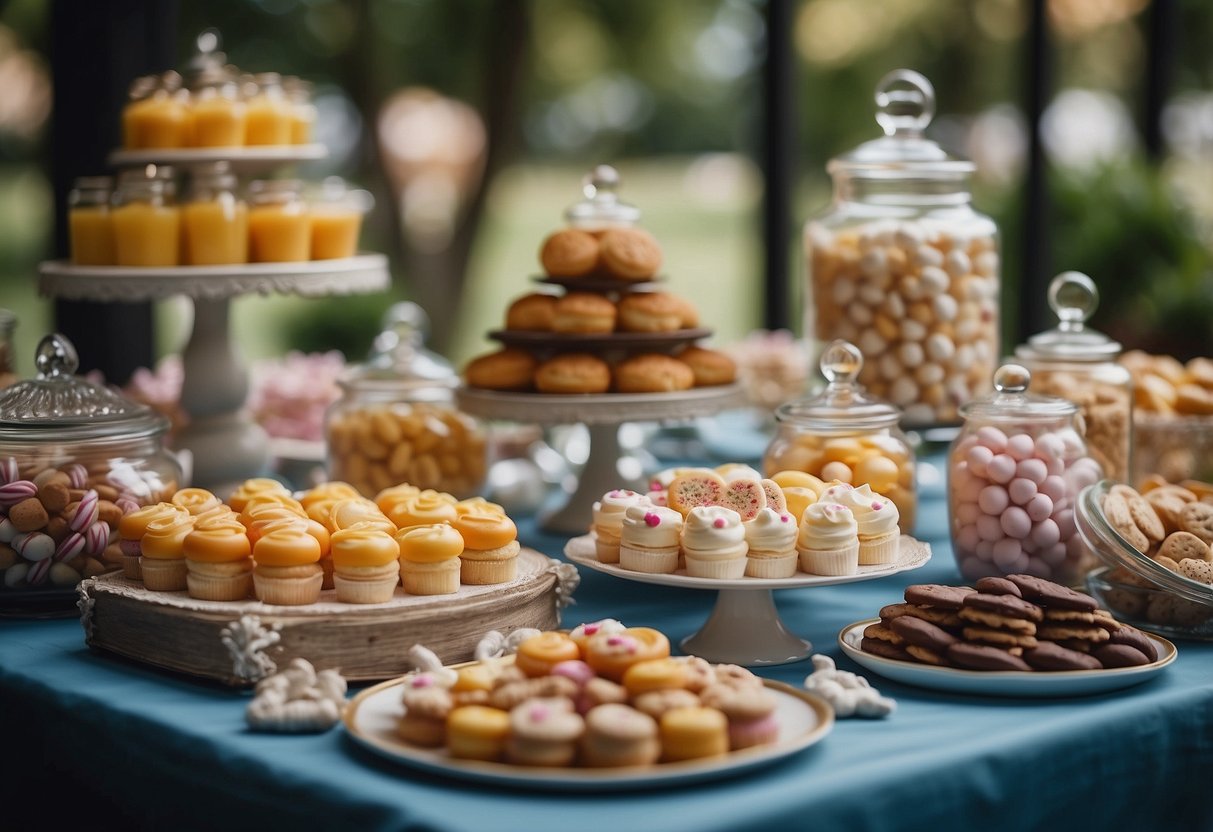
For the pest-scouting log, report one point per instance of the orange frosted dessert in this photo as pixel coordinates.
(429, 559)
(195, 500)
(478, 505)
(366, 565)
(332, 490)
(287, 566)
(388, 498)
(131, 529)
(255, 486)
(490, 554)
(217, 560)
(423, 509)
(357, 510)
(258, 503)
(163, 548)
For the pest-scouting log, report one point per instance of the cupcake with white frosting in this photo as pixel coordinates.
(649, 539)
(771, 536)
(714, 543)
(876, 519)
(829, 540)
(608, 521)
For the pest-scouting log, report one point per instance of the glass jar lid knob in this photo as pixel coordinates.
(601, 183)
(1012, 380)
(1073, 298)
(840, 364)
(905, 103)
(600, 187)
(56, 358)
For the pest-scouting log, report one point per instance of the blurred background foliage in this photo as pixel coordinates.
(472, 121)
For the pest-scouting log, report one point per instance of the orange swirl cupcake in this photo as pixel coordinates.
(131, 529)
(164, 553)
(490, 554)
(611, 654)
(255, 516)
(539, 654)
(272, 500)
(250, 488)
(333, 490)
(478, 505)
(271, 517)
(424, 509)
(287, 568)
(389, 497)
(345, 513)
(429, 559)
(195, 500)
(217, 558)
(366, 565)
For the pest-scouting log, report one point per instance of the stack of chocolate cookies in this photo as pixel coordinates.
(1019, 622)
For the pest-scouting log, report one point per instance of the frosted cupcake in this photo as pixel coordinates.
(366, 565)
(649, 539)
(608, 521)
(876, 519)
(714, 543)
(771, 537)
(829, 541)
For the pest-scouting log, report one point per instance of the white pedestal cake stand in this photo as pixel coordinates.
(226, 445)
(744, 627)
(602, 414)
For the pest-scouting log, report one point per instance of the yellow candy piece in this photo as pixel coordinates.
(798, 479)
(880, 472)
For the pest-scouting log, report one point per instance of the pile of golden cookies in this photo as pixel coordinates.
(1164, 385)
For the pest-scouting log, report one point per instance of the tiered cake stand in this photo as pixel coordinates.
(226, 446)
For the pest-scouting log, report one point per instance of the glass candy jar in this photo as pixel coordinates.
(845, 434)
(601, 208)
(396, 421)
(902, 266)
(74, 457)
(1014, 473)
(1079, 364)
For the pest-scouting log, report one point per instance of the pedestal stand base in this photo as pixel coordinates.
(600, 475)
(745, 629)
(227, 449)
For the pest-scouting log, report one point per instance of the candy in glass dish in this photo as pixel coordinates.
(1079, 364)
(1014, 473)
(74, 457)
(396, 420)
(903, 267)
(845, 434)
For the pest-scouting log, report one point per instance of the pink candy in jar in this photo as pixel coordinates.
(1014, 473)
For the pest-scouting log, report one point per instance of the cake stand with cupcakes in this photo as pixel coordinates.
(599, 344)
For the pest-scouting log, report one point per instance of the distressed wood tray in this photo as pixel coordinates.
(237, 643)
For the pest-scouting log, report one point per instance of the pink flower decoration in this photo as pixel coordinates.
(876, 506)
(651, 520)
(783, 518)
(718, 522)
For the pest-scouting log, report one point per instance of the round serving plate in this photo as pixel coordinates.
(600, 342)
(1014, 683)
(371, 717)
(244, 160)
(599, 285)
(598, 408)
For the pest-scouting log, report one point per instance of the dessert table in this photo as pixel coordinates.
(95, 739)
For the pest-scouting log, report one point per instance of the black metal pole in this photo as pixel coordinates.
(1162, 42)
(1034, 315)
(97, 48)
(778, 141)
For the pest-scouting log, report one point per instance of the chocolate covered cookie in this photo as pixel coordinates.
(923, 633)
(1050, 656)
(1119, 655)
(1136, 639)
(1006, 605)
(938, 595)
(1050, 594)
(997, 586)
(982, 657)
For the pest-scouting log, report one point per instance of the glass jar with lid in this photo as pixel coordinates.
(303, 111)
(268, 113)
(845, 434)
(90, 233)
(74, 457)
(1079, 364)
(280, 225)
(902, 265)
(145, 219)
(336, 215)
(1015, 471)
(214, 219)
(396, 421)
(601, 208)
(157, 115)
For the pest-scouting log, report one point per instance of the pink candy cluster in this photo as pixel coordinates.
(1012, 503)
(288, 397)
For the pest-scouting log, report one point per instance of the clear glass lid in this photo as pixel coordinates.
(59, 405)
(1073, 298)
(844, 403)
(905, 105)
(1011, 399)
(601, 205)
(398, 360)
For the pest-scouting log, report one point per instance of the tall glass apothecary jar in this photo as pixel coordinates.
(1079, 364)
(902, 265)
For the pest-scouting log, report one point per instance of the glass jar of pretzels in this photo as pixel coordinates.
(902, 265)
(845, 434)
(1079, 364)
(396, 421)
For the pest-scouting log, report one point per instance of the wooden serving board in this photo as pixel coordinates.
(365, 642)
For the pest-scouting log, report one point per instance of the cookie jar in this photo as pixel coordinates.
(843, 433)
(396, 421)
(74, 457)
(902, 265)
(1015, 471)
(1079, 364)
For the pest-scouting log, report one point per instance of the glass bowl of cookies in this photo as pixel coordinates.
(1157, 571)
(1173, 416)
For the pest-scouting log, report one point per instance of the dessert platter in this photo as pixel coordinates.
(584, 710)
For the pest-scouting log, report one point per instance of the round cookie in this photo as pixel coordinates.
(1197, 518)
(1135, 638)
(997, 586)
(1200, 571)
(1181, 545)
(507, 369)
(926, 656)
(881, 632)
(1007, 605)
(572, 374)
(1116, 510)
(569, 253)
(884, 649)
(1050, 594)
(938, 595)
(650, 312)
(583, 312)
(981, 657)
(531, 313)
(922, 634)
(710, 367)
(1050, 656)
(652, 373)
(1119, 655)
(630, 253)
(998, 638)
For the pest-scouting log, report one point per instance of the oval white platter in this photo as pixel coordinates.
(1013, 683)
(371, 717)
(913, 554)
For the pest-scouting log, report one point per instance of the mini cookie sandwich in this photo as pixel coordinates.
(655, 703)
(649, 312)
(655, 674)
(616, 735)
(252, 487)
(507, 369)
(474, 683)
(629, 253)
(750, 712)
(829, 541)
(876, 519)
(218, 561)
(714, 543)
(649, 539)
(984, 657)
(366, 566)
(427, 704)
(569, 252)
(710, 367)
(195, 500)
(608, 521)
(477, 732)
(163, 549)
(429, 559)
(287, 566)
(1050, 656)
(694, 733)
(582, 633)
(544, 732)
(652, 373)
(539, 654)
(131, 529)
(599, 691)
(573, 373)
(583, 313)
(771, 538)
(611, 654)
(490, 549)
(531, 313)
(510, 692)
(923, 640)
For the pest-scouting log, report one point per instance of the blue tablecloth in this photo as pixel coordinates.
(89, 736)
